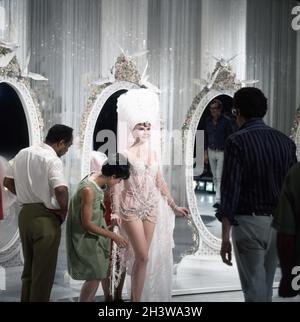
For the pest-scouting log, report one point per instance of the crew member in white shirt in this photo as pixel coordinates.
(36, 177)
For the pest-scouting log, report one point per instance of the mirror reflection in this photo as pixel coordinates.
(217, 122)
(107, 120)
(14, 136)
(13, 125)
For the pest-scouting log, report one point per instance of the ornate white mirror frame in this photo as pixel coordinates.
(222, 82)
(11, 75)
(126, 77)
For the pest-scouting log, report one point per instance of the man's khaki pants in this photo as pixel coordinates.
(40, 236)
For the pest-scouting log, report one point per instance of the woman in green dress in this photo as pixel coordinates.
(88, 237)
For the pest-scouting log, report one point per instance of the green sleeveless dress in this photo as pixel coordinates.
(87, 253)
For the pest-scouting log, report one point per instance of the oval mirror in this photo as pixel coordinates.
(21, 125)
(203, 270)
(207, 184)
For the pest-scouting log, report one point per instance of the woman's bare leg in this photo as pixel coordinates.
(149, 230)
(140, 236)
(88, 290)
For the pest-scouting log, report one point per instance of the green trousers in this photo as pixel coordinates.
(40, 236)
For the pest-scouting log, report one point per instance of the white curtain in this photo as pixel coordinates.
(66, 38)
(46, 38)
(75, 42)
(174, 61)
(16, 25)
(123, 27)
(181, 34)
(223, 31)
(271, 57)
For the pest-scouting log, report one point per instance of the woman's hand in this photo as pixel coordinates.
(115, 220)
(120, 240)
(182, 211)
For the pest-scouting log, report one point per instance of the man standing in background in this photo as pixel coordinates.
(217, 129)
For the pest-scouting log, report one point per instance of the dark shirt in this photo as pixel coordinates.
(216, 135)
(256, 160)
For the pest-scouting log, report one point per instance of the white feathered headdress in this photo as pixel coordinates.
(134, 107)
(138, 106)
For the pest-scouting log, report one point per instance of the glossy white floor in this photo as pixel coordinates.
(196, 279)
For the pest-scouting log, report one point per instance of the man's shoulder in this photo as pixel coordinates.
(278, 132)
(264, 128)
(23, 152)
(236, 135)
(27, 149)
(43, 151)
(38, 152)
(30, 149)
(263, 134)
(281, 135)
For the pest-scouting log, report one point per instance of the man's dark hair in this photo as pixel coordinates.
(116, 165)
(218, 102)
(251, 102)
(59, 132)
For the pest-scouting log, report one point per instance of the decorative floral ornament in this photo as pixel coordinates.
(12, 68)
(12, 72)
(124, 69)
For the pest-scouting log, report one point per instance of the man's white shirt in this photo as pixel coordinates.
(37, 171)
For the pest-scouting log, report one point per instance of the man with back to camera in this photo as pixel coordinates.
(36, 177)
(217, 129)
(256, 160)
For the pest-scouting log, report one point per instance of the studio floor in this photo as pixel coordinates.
(195, 278)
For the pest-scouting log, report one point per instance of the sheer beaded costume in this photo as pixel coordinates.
(145, 194)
